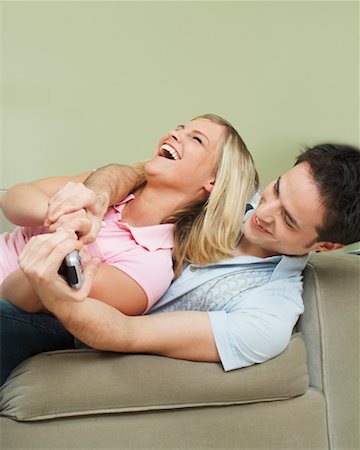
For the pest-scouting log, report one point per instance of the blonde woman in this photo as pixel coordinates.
(181, 211)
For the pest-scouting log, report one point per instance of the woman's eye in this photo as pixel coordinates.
(197, 139)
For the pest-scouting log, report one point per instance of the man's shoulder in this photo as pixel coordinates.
(280, 266)
(239, 274)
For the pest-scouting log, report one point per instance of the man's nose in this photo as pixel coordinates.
(268, 210)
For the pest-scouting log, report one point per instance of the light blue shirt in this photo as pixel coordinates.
(253, 304)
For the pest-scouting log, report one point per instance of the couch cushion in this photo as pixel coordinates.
(86, 382)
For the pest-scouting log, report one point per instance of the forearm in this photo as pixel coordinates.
(182, 335)
(96, 324)
(112, 183)
(18, 291)
(25, 205)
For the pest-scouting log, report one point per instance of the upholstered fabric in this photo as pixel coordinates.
(93, 400)
(298, 423)
(330, 325)
(91, 382)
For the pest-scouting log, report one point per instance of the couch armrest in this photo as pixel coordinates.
(92, 382)
(330, 325)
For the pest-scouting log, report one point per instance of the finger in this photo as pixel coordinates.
(73, 197)
(81, 225)
(90, 235)
(85, 257)
(54, 214)
(44, 266)
(34, 244)
(42, 244)
(64, 201)
(39, 247)
(89, 272)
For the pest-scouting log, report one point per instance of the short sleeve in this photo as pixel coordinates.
(153, 271)
(260, 328)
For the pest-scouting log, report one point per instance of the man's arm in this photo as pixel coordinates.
(182, 335)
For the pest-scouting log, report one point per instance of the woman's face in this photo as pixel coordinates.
(184, 158)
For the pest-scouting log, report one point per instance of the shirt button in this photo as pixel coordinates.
(192, 269)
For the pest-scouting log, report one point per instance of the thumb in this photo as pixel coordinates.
(89, 271)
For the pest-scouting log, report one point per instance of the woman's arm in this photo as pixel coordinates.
(26, 204)
(117, 289)
(111, 286)
(17, 289)
(48, 199)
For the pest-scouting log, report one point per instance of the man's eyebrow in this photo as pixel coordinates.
(288, 215)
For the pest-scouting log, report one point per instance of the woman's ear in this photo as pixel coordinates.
(209, 185)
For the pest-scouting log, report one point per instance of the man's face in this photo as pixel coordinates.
(286, 218)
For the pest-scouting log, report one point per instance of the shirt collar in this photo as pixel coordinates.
(284, 265)
(154, 237)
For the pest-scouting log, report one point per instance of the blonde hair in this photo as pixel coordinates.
(208, 230)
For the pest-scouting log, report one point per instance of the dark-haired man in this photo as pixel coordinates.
(240, 311)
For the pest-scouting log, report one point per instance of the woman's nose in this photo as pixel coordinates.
(175, 134)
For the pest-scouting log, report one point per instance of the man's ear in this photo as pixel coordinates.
(209, 185)
(327, 246)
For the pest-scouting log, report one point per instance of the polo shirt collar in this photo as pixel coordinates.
(153, 237)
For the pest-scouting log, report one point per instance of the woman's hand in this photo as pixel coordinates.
(77, 208)
(81, 222)
(40, 262)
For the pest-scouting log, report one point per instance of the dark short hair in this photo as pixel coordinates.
(335, 169)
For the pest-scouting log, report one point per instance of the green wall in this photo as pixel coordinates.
(88, 83)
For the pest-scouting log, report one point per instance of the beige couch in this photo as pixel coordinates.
(307, 397)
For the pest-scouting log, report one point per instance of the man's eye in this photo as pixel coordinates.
(197, 139)
(287, 222)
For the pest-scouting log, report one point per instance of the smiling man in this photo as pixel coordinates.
(239, 311)
(287, 217)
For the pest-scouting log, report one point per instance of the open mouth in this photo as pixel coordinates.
(168, 152)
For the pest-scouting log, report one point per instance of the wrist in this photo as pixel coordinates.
(104, 201)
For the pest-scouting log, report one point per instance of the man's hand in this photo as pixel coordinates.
(78, 221)
(40, 261)
(75, 207)
(103, 188)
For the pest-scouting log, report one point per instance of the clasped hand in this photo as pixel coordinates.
(73, 218)
(77, 208)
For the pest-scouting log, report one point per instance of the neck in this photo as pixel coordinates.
(151, 206)
(245, 248)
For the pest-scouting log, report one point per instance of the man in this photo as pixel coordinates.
(240, 311)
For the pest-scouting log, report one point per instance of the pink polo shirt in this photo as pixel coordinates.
(143, 253)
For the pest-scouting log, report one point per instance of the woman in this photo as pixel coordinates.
(191, 200)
